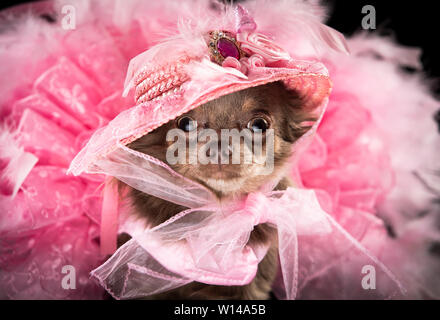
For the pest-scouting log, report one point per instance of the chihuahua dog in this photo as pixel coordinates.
(257, 109)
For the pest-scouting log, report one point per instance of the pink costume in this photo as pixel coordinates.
(350, 166)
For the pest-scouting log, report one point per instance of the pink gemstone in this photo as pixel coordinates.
(227, 48)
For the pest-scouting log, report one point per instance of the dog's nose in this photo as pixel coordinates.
(221, 154)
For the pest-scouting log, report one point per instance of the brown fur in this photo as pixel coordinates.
(283, 110)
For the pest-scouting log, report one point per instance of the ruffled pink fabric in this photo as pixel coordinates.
(52, 220)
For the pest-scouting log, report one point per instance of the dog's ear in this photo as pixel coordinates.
(296, 119)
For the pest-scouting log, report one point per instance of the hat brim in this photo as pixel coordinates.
(309, 79)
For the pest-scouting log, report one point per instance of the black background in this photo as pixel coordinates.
(411, 23)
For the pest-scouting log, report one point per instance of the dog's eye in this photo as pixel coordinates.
(187, 124)
(258, 125)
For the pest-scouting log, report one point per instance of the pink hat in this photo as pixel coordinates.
(204, 63)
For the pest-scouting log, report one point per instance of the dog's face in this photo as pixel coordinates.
(269, 116)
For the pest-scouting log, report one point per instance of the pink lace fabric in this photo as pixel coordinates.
(49, 220)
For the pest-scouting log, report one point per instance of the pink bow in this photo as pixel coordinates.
(209, 245)
(208, 242)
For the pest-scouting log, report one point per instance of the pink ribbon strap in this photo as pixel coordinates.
(109, 218)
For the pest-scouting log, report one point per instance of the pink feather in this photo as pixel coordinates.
(15, 163)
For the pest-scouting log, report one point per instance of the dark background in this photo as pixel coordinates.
(411, 23)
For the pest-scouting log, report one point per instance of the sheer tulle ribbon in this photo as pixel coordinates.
(208, 242)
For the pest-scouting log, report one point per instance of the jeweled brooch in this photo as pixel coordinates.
(222, 44)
